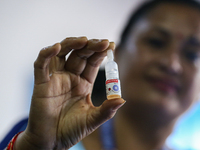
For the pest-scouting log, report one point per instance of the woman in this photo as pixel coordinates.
(158, 59)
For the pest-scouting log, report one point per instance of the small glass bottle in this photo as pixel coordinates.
(113, 89)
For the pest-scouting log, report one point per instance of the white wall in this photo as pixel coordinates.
(28, 26)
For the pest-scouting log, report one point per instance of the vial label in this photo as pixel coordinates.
(113, 87)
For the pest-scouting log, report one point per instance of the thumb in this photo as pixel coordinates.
(110, 107)
(107, 110)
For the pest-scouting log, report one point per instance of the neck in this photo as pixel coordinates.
(141, 132)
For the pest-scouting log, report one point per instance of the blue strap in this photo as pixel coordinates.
(20, 126)
(107, 135)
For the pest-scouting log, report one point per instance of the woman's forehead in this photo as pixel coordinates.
(176, 17)
(180, 21)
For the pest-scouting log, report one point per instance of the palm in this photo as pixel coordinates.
(61, 106)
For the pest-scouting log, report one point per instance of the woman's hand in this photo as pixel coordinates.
(62, 112)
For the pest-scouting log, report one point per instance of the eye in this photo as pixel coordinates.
(192, 55)
(156, 43)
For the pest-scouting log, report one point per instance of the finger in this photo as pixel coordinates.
(41, 65)
(93, 63)
(107, 110)
(71, 43)
(78, 58)
(58, 62)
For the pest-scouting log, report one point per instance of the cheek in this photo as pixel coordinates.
(190, 88)
(130, 64)
(131, 73)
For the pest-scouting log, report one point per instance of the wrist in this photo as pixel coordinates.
(11, 143)
(24, 142)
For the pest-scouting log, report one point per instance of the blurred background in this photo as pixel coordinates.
(28, 26)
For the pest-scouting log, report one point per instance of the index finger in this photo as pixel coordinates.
(71, 43)
(68, 44)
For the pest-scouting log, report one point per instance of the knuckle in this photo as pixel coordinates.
(42, 52)
(36, 64)
(110, 116)
(95, 63)
(39, 64)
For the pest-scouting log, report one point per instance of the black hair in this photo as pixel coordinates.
(145, 8)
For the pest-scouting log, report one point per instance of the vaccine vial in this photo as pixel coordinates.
(113, 89)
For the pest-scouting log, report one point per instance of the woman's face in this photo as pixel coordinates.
(160, 64)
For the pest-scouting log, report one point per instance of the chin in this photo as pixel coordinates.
(153, 105)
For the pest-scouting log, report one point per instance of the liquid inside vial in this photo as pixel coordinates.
(113, 96)
(113, 89)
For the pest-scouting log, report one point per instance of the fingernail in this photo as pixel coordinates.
(81, 37)
(96, 41)
(117, 107)
(102, 40)
(54, 44)
(45, 48)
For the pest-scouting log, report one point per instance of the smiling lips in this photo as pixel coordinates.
(165, 85)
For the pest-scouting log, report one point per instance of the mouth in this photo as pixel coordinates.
(165, 85)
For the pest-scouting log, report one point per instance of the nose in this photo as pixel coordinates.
(170, 62)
